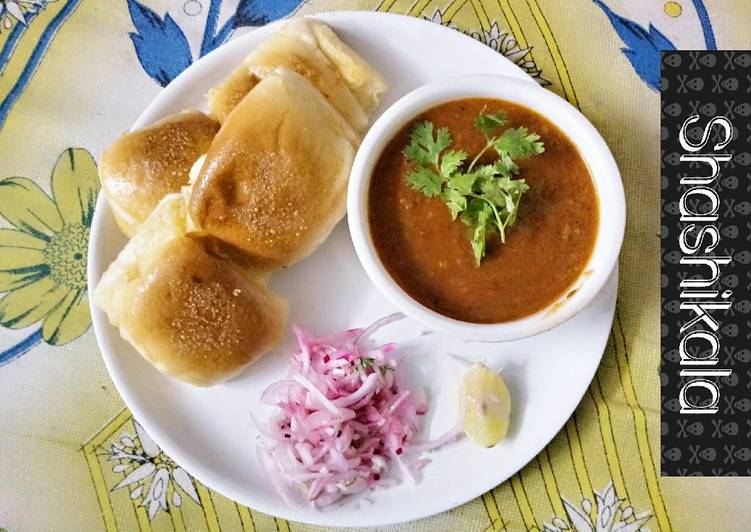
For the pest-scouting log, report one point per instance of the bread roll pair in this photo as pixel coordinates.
(186, 304)
(313, 50)
(188, 291)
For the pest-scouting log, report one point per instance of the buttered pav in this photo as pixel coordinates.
(143, 166)
(274, 181)
(186, 304)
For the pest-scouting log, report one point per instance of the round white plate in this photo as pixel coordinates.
(209, 431)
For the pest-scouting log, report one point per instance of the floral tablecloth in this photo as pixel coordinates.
(76, 73)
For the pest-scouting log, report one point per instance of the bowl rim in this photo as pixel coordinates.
(591, 146)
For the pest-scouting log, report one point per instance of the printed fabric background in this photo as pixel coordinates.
(76, 73)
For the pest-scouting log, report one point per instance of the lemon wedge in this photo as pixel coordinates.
(486, 404)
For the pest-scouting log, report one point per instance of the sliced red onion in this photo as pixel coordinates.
(365, 334)
(302, 340)
(272, 395)
(440, 441)
(271, 471)
(367, 387)
(317, 394)
(343, 414)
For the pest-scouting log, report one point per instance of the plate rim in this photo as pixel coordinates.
(100, 322)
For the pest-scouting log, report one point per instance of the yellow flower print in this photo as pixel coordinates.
(43, 256)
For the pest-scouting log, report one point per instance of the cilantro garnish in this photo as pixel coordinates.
(485, 197)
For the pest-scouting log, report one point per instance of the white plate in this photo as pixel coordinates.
(209, 432)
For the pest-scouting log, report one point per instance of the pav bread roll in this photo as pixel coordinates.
(143, 166)
(274, 181)
(365, 82)
(183, 302)
(313, 50)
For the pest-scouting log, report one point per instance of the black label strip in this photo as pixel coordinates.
(706, 252)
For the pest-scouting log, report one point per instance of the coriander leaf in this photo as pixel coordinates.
(510, 205)
(506, 183)
(423, 148)
(506, 165)
(422, 179)
(494, 193)
(451, 161)
(517, 199)
(463, 183)
(513, 186)
(487, 123)
(480, 233)
(486, 198)
(518, 142)
(416, 154)
(485, 172)
(478, 243)
(455, 201)
(472, 213)
(443, 139)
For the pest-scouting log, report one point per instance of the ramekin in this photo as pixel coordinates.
(580, 131)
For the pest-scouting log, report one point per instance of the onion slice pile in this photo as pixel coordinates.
(343, 417)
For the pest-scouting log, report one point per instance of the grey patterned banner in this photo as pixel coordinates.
(706, 279)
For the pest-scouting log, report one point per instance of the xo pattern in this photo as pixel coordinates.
(707, 84)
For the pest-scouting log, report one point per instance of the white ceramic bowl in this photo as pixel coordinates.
(593, 149)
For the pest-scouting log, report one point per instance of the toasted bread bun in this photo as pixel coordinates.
(274, 180)
(185, 304)
(313, 50)
(224, 97)
(143, 166)
(365, 82)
